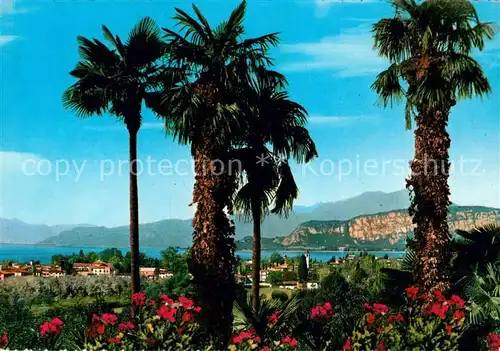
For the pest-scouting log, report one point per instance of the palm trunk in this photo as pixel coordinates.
(134, 213)
(429, 184)
(256, 254)
(212, 258)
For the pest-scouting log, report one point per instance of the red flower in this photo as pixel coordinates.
(4, 340)
(412, 292)
(257, 339)
(139, 299)
(55, 326)
(167, 313)
(166, 300)
(395, 317)
(347, 345)
(439, 310)
(380, 308)
(457, 301)
(381, 346)
(493, 341)
(325, 311)
(125, 326)
(274, 317)
(114, 340)
(197, 309)
(100, 329)
(371, 318)
(187, 317)
(458, 315)
(151, 341)
(152, 302)
(448, 329)
(179, 331)
(237, 339)
(185, 302)
(439, 296)
(380, 330)
(293, 343)
(246, 334)
(286, 339)
(109, 318)
(265, 348)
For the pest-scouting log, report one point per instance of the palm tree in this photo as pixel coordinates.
(204, 111)
(429, 46)
(117, 81)
(272, 119)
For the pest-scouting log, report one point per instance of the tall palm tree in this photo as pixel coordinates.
(429, 46)
(203, 110)
(271, 119)
(117, 81)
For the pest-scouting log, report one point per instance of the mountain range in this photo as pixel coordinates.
(332, 224)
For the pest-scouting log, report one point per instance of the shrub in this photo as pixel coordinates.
(279, 295)
(428, 322)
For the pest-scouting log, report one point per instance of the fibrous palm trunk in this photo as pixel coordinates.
(212, 261)
(134, 212)
(429, 208)
(256, 254)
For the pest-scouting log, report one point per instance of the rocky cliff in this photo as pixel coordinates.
(387, 230)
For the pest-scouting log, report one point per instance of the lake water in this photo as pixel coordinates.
(25, 253)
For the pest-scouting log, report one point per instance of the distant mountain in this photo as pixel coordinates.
(14, 231)
(386, 230)
(170, 232)
(175, 232)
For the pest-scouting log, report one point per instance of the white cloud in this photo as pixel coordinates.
(322, 6)
(12, 161)
(336, 120)
(347, 54)
(5, 39)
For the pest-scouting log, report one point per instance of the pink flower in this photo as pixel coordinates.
(286, 339)
(347, 345)
(109, 318)
(246, 334)
(125, 326)
(166, 300)
(4, 340)
(293, 343)
(197, 309)
(139, 299)
(237, 339)
(380, 308)
(381, 346)
(493, 341)
(185, 302)
(187, 317)
(412, 292)
(257, 339)
(325, 311)
(274, 317)
(367, 307)
(457, 301)
(151, 302)
(167, 313)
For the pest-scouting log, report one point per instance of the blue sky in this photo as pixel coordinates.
(327, 56)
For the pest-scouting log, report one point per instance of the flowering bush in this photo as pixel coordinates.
(429, 322)
(50, 331)
(164, 324)
(248, 340)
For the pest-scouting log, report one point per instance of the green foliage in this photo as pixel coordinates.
(279, 295)
(276, 259)
(275, 278)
